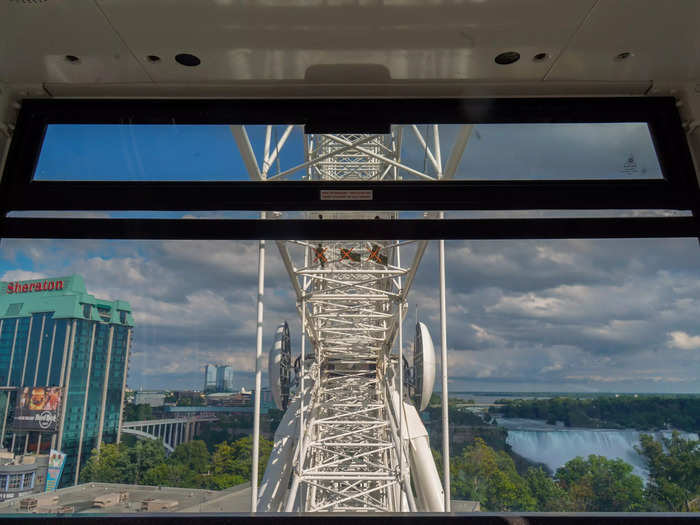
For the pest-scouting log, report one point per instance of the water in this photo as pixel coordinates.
(555, 445)
(492, 397)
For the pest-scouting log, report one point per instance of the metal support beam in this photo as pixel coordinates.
(465, 132)
(258, 374)
(444, 368)
(246, 149)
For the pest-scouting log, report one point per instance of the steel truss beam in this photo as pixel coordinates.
(349, 290)
(351, 451)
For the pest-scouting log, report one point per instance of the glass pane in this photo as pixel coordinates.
(410, 152)
(557, 350)
(329, 214)
(534, 151)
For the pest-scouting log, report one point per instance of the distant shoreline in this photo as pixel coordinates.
(490, 393)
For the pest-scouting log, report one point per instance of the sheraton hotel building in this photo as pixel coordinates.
(54, 334)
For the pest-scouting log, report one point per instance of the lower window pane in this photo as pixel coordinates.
(127, 375)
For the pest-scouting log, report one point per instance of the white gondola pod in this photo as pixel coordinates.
(278, 367)
(423, 366)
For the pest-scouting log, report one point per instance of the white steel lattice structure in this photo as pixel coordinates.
(350, 439)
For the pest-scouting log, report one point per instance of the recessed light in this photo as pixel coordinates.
(540, 57)
(507, 58)
(624, 56)
(72, 59)
(153, 58)
(187, 59)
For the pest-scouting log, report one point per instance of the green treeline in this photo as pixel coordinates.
(191, 465)
(595, 484)
(479, 473)
(137, 412)
(642, 413)
(465, 425)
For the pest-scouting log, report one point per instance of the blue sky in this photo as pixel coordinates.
(152, 152)
(582, 315)
(208, 152)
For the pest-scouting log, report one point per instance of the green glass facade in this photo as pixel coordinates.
(53, 333)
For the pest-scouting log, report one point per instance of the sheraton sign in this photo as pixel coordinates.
(45, 286)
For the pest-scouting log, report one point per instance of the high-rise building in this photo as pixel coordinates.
(224, 378)
(63, 363)
(210, 378)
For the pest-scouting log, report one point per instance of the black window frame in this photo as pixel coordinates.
(678, 189)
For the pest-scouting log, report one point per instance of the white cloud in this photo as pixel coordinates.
(529, 304)
(684, 341)
(556, 256)
(483, 335)
(552, 368)
(21, 275)
(549, 313)
(617, 330)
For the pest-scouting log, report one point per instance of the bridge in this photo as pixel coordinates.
(171, 432)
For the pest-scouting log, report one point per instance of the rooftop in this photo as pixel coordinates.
(64, 296)
(81, 498)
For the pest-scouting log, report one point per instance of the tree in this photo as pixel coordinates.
(170, 475)
(550, 497)
(144, 456)
(110, 464)
(185, 467)
(437, 458)
(231, 462)
(645, 412)
(191, 401)
(598, 484)
(123, 464)
(140, 412)
(482, 474)
(674, 471)
(192, 456)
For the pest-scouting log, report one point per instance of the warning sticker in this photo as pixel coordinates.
(346, 195)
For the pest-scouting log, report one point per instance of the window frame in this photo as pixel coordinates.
(678, 190)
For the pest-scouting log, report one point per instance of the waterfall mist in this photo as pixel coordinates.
(554, 446)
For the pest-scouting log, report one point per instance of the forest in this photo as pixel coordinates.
(191, 465)
(593, 484)
(479, 473)
(641, 413)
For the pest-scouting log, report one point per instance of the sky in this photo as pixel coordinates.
(564, 315)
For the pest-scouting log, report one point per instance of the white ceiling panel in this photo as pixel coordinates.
(663, 37)
(35, 38)
(280, 39)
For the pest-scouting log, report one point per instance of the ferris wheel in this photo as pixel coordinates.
(351, 438)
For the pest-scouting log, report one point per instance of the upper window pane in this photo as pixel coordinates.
(125, 152)
(537, 151)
